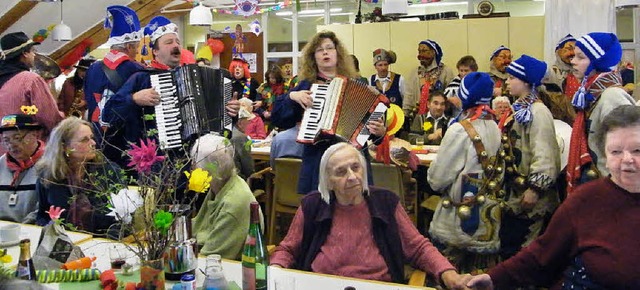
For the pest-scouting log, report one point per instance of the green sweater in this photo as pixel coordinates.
(222, 223)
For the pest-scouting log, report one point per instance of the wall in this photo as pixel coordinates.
(477, 37)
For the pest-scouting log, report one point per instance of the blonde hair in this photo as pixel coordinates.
(54, 164)
(324, 186)
(309, 67)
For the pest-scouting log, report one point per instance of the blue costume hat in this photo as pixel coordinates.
(497, 51)
(476, 88)
(159, 26)
(434, 45)
(124, 24)
(603, 50)
(564, 40)
(528, 69)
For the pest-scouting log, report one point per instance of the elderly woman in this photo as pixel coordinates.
(592, 238)
(323, 58)
(501, 106)
(222, 222)
(72, 174)
(349, 229)
(600, 92)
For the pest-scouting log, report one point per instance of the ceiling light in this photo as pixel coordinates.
(61, 32)
(200, 16)
(394, 7)
(308, 12)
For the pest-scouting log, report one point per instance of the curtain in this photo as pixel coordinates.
(577, 17)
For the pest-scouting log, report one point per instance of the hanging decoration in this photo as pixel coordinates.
(256, 27)
(216, 45)
(187, 57)
(42, 33)
(66, 64)
(240, 7)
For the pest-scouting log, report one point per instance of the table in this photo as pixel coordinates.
(426, 159)
(233, 272)
(261, 151)
(32, 232)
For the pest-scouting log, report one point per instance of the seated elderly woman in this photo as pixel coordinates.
(349, 229)
(72, 176)
(501, 106)
(222, 223)
(592, 239)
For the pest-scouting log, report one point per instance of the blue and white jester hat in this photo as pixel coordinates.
(124, 24)
(159, 26)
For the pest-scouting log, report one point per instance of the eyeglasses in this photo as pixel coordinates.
(323, 49)
(15, 139)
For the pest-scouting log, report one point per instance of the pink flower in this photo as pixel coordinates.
(144, 156)
(55, 212)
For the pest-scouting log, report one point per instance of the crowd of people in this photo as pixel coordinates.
(507, 207)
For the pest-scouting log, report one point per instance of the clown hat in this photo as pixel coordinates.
(497, 51)
(382, 54)
(564, 40)
(436, 47)
(394, 119)
(124, 24)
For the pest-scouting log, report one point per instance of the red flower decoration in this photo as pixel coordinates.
(144, 156)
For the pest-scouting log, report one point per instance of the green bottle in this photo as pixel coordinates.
(254, 255)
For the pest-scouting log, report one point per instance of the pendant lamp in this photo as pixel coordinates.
(200, 16)
(61, 32)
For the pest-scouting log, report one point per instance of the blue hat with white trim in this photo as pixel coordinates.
(476, 88)
(564, 40)
(436, 47)
(528, 69)
(603, 50)
(497, 51)
(124, 24)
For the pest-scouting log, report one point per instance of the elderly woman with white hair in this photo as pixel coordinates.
(222, 223)
(501, 106)
(349, 229)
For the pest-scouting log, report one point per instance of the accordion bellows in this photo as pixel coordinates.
(341, 109)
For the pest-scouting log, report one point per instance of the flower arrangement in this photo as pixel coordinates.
(5, 272)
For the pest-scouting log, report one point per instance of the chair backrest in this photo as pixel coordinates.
(286, 181)
(389, 177)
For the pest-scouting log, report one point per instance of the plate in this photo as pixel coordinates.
(9, 243)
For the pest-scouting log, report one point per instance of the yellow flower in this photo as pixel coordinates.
(426, 126)
(199, 180)
(6, 259)
(29, 110)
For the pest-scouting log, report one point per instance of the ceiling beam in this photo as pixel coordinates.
(11, 17)
(146, 9)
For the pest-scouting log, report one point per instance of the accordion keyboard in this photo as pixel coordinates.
(313, 116)
(167, 112)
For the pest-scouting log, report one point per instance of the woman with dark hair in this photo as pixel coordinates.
(72, 174)
(71, 99)
(592, 239)
(323, 58)
(271, 88)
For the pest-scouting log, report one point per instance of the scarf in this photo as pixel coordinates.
(522, 108)
(585, 97)
(9, 69)
(429, 80)
(114, 58)
(481, 111)
(19, 166)
(158, 65)
(571, 85)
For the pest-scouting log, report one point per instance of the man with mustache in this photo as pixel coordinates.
(562, 72)
(127, 108)
(500, 59)
(432, 75)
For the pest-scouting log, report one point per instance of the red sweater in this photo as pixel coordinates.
(600, 222)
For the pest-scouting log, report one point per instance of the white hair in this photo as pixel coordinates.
(217, 150)
(324, 185)
(500, 99)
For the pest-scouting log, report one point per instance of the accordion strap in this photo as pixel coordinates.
(483, 156)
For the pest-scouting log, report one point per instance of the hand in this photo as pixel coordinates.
(435, 136)
(454, 281)
(257, 104)
(146, 97)
(480, 282)
(529, 199)
(302, 97)
(497, 92)
(266, 114)
(376, 127)
(232, 107)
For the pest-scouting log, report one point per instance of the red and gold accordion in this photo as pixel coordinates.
(341, 108)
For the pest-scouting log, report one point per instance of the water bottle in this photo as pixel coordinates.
(214, 279)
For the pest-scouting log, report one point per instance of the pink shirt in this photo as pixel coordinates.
(28, 89)
(255, 128)
(351, 251)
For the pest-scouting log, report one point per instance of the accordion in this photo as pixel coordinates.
(341, 109)
(192, 103)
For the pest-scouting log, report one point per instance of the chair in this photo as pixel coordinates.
(392, 178)
(262, 195)
(285, 197)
